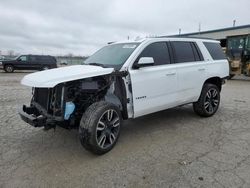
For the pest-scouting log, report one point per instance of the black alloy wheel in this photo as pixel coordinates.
(208, 102)
(107, 128)
(100, 127)
(211, 101)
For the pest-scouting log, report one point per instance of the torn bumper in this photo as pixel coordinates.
(28, 114)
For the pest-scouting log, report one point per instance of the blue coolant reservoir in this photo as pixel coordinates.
(69, 109)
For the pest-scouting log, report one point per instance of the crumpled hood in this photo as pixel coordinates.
(52, 77)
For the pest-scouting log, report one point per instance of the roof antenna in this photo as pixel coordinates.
(234, 22)
(180, 31)
(199, 28)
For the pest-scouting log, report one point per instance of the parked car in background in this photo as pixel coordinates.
(29, 62)
(63, 63)
(1, 58)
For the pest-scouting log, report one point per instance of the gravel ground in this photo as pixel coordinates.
(172, 148)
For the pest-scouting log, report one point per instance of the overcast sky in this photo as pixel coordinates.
(82, 26)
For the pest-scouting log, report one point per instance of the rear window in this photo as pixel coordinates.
(215, 50)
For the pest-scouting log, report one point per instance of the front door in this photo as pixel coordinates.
(154, 87)
(22, 62)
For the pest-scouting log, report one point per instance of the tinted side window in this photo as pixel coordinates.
(183, 51)
(23, 58)
(38, 58)
(197, 53)
(43, 59)
(215, 50)
(158, 51)
(49, 59)
(33, 58)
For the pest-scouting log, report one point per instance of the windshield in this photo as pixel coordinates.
(17, 57)
(113, 55)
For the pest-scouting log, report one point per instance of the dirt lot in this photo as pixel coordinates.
(172, 148)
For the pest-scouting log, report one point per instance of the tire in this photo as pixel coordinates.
(208, 102)
(231, 76)
(9, 68)
(46, 68)
(99, 128)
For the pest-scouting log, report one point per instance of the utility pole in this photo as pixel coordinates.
(234, 22)
(179, 31)
(199, 27)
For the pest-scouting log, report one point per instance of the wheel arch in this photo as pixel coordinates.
(214, 80)
(8, 64)
(113, 99)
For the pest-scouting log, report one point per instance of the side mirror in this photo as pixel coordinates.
(19, 60)
(144, 61)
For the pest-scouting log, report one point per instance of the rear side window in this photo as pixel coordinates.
(46, 59)
(197, 53)
(184, 51)
(215, 50)
(158, 51)
(39, 58)
(33, 58)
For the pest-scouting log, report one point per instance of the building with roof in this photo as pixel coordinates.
(220, 34)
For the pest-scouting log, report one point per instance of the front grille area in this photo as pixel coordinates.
(41, 96)
(50, 99)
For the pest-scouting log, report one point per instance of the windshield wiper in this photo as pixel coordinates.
(97, 64)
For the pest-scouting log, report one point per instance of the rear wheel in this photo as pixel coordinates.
(208, 102)
(8, 68)
(231, 76)
(45, 68)
(100, 127)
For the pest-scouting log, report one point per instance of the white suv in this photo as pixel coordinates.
(127, 80)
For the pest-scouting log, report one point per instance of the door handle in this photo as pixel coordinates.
(201, 69)
(171, 74)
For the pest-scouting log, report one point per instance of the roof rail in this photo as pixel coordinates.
(178, 36)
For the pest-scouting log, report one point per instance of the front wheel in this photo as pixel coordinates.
(8, 68)
(208, 102)
(100, 127)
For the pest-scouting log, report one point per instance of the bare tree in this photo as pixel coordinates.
(70, 55)
(10, 53)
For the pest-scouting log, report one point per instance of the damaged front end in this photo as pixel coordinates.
(65, 103)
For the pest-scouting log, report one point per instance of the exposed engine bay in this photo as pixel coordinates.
(65, 103)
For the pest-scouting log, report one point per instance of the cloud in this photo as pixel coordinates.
(81, 27)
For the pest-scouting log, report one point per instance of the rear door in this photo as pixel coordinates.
(154, 87)
(191, 70)
(34, 64)
(46, 61)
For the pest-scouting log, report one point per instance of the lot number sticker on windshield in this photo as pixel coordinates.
(129, 46)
